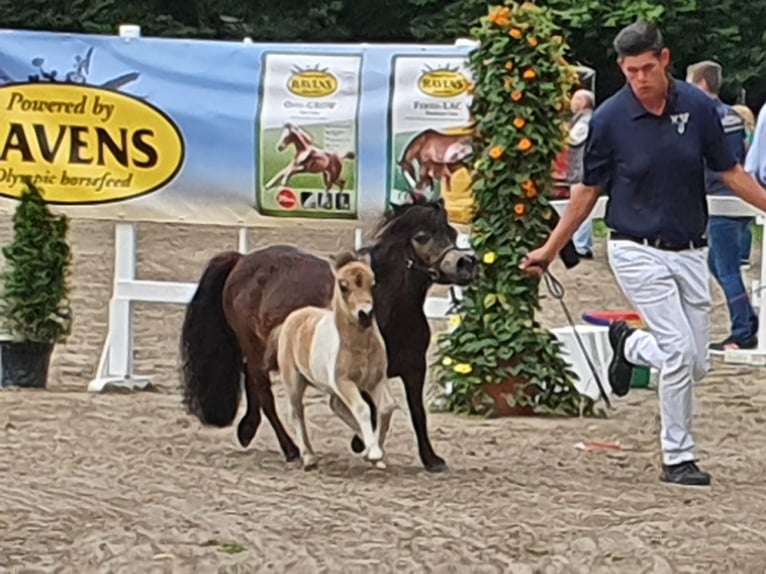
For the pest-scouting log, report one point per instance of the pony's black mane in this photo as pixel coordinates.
(399, 220)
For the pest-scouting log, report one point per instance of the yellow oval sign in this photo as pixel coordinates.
(312, 84)
(83, 144)
(443, 83)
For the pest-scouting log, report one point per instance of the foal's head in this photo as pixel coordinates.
(354, 280)
(422, 230)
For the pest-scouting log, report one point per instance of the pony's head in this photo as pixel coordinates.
(422, 229)
(354, 281)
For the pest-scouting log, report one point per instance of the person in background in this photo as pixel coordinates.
(581, 104)
(747, 237)
(725, 234)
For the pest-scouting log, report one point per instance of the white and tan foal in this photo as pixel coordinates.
(341, 352)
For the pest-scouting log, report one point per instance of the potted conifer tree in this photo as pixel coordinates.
(35, 313)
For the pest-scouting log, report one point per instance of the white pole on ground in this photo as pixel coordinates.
(242, 245)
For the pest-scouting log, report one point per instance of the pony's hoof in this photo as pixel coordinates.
(292, 454)
(357, 445)
(374, 454)
(309, 463)
(436, 465)
(246, 433)
(380, 464)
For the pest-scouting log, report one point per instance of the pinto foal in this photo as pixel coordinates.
(341, 352)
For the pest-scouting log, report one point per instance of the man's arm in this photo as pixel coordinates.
(582, 200)
(744, 185)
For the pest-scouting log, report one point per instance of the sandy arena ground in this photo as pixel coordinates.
(129, 483)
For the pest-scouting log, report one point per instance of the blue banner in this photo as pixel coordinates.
(228, 132)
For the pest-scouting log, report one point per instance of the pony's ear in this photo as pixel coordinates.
(343, 258)
(364, 257)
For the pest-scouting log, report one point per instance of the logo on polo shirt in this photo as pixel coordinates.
(680, 121)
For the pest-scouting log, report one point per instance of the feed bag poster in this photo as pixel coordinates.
(429, 132)
(307, 135)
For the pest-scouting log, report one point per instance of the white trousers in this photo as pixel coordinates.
(671, 291)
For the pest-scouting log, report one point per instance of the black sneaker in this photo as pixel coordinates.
(620, 370)
(730, 343)
(685, 474)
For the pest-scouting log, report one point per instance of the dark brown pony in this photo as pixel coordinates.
(240, 299)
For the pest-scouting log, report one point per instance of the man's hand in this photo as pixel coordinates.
(537, 261)
(745, 186)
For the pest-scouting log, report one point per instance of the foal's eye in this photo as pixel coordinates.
(422, 237)
(343, 286)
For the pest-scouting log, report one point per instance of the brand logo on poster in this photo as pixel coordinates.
(442, 82)
(286, 199)
(313, 82)
(81, 143)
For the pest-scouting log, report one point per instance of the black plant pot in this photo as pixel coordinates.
(24, 364)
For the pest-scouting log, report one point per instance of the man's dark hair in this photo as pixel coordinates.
(638, 38)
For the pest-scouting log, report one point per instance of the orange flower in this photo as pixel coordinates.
(557, 106)
(525, 144)
(515, 33)
(519, 123)
(519, 209)
(529, 74)
(529, 6)
(516, 96)
(509, 65)
(500, 16)
(530, 189)
(496, 152)
(532, 41)
(470, 88)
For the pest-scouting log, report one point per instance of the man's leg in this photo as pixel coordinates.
(725, 235)
(646, 277)
(746, 243)
(690, 270)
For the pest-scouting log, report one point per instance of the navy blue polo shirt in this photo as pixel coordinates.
(653, 167)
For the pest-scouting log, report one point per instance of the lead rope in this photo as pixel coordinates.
(556, 289)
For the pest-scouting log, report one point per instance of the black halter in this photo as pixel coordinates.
(414, 263)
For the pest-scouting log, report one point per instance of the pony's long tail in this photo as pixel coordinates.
(211, 360)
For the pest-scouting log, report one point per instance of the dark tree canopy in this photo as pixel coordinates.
(724, 30)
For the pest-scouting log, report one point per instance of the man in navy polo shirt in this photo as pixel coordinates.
(648, 147)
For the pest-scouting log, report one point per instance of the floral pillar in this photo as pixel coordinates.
(522, 82)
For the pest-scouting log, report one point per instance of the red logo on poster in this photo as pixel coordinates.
(286, 199)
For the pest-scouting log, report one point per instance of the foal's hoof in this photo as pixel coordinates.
(309, 463)
(374, 454)
(380, 464)
(357, 445)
